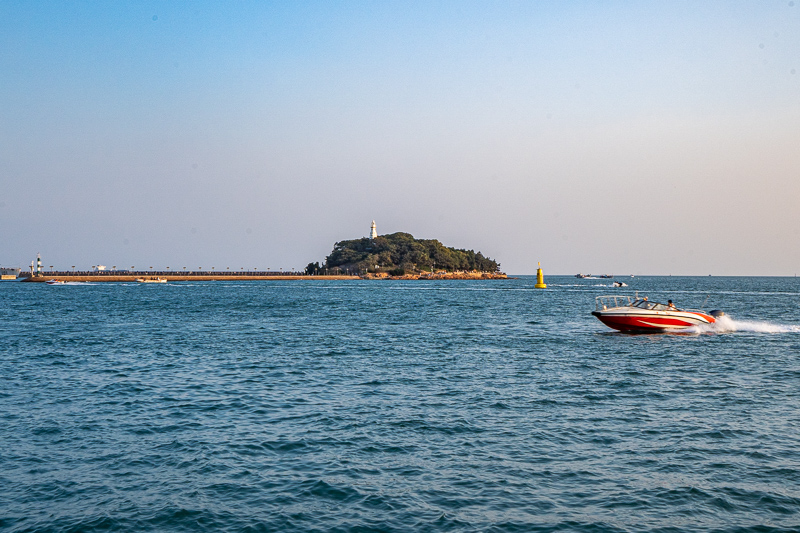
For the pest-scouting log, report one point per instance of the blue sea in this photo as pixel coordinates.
(424, 406)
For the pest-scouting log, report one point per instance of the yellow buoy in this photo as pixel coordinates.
(540, 284)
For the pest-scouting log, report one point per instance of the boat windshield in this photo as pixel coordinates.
(610, 302)
(655, 306)
(604, 303)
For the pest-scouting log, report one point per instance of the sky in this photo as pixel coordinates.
(609, 137)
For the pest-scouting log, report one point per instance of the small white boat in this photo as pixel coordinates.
(619, 284)
(628, 314)
(151, 280)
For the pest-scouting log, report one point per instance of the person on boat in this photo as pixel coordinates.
(671, 305)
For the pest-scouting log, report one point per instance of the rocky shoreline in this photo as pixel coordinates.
(439, 275)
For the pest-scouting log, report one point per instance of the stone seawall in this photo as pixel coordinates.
(99, 278)
(103, 277)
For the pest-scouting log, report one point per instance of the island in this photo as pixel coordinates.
(401, 256)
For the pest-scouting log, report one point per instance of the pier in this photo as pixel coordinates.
(171, 275)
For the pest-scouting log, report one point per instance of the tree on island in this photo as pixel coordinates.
(314, 269)
(398, 254)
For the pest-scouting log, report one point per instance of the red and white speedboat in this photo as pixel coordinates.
(624, 313)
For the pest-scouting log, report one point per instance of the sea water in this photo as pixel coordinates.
(396, 406)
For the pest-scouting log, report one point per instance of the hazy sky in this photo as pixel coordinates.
(603, 137)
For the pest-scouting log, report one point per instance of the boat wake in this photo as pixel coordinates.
(726, 324)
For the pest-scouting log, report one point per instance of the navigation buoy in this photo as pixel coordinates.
(540, 284)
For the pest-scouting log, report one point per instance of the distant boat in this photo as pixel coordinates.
(9, 273)
(619, 284)
(151, 280)
(55, 282)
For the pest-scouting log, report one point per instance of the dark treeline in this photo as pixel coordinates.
(400, 253)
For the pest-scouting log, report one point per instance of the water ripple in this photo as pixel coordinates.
(456, 406)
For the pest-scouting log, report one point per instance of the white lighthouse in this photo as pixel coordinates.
(373, 232)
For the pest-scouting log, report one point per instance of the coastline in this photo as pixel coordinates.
(440, 276)
(131, 278)
(236, 276)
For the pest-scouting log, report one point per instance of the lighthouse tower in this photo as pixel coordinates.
(373, 232)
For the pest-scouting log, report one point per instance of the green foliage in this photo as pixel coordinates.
(313, 269)
(401, 251)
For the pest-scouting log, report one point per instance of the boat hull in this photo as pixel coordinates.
(653, 321)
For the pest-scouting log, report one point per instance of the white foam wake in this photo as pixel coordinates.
(726, 324)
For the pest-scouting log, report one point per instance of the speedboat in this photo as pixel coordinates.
(636, 314)
(55, 282)
(619, 284)
(151, 280)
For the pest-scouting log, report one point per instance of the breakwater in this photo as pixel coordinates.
(169, 275)
(122, 276)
